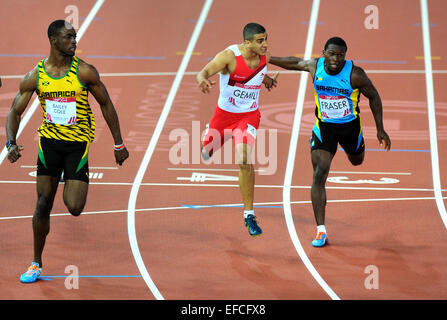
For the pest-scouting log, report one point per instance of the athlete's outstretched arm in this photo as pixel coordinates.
(360, 80)
(220, 63)
(28, 85)
(90, 77)
(294, 63)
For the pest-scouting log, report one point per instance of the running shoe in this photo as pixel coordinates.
(320, 240)
(206, 155)
(32, 274)
(252, 225)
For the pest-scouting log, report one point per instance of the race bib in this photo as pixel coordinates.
(333, 107)
(61, 110)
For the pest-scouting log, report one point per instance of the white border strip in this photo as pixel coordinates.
(292, 152)
(26, 118)
(431, 113)
(150, 150)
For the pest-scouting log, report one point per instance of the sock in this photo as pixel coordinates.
(247, 212)
(321, 228)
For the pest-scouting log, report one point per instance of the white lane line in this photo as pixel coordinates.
(237, 170)
(292, 153)
(222, 205)
(193, 73)
(405, 71)
(373, 172)
(96, 168)
(27, 116)
(150, 150)
(431, 113)
(98, 212)
(164, 184)
(163, 209)
(208, 169)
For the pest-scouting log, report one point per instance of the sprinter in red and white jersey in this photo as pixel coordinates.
(242, 69)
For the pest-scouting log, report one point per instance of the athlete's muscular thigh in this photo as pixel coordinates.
(75, 196)
(46, 187)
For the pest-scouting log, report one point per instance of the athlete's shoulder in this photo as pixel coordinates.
(85, 67)
(312, 62)
(356, 69)
(358, 72)
(359, 78)
(309, 65)
(226, 54)
(87, 72)
(224, 59)
(32, 73)
(29, 80)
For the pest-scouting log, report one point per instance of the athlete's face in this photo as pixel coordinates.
(334, 56)
(258, 44)
(65, 41)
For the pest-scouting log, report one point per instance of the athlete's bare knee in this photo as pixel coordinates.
(76, 211)
(356, 160)
(75, 196)
(243, 154)
(43, 207)
(242, 160)
(75, 208)
(320, 175)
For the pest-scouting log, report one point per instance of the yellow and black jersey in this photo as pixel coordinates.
(66, 112)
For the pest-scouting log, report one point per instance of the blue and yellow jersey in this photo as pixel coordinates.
(66, 112)
(336, 101)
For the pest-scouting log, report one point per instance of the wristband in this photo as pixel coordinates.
(10, 143)
(118, 147)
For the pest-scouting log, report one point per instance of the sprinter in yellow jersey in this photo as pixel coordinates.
(62, 82)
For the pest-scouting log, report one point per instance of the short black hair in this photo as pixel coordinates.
(251, 29)
(56, 26)
(337, 41)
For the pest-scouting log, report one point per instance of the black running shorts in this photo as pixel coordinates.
(349, 135)
(57, 156)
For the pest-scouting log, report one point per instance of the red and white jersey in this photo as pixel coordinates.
(239, 91)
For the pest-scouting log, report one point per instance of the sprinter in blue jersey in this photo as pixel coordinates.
(337, 85)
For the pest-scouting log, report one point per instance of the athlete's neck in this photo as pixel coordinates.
(247, 53)
(59, 59)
